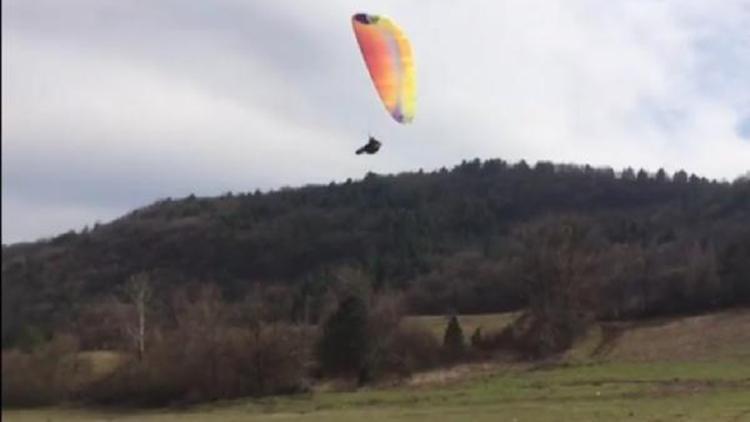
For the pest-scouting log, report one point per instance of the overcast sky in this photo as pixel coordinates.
(108, 105)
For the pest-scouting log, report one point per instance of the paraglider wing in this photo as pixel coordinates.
(388, 56)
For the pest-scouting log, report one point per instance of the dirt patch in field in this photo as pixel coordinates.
(462, 373)
(672, 385)
(689, 387)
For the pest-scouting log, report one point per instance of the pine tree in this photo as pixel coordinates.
(344, 345)
(476, 338)
(453, 340)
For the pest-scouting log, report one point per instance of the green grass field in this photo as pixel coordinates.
(710, 391)
(668, 384)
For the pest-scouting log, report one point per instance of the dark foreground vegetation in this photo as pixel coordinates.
(264, 293)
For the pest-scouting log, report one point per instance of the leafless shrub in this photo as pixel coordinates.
(36, 378)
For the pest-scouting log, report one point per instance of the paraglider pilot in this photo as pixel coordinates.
(372, 146)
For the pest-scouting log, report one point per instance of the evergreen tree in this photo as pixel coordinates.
(344, 345)
(628, 174)
(680, 177)
(661, 176)
(476, 338)
(453, 340)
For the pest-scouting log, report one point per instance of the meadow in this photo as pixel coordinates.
(681, 369)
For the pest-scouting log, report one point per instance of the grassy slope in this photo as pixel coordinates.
(682, 369)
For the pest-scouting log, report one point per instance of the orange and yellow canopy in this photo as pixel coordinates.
(388, 56)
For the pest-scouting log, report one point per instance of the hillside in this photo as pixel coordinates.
(450, 239)
(713, 337)
(716, 336)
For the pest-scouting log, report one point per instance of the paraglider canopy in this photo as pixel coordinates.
(388, 56)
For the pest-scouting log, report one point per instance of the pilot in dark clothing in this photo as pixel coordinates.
(372, 146)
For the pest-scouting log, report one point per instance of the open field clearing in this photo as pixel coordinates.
(689, 369)
(490, 323)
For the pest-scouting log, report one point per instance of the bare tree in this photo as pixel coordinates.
(138, 292)
(561, 266)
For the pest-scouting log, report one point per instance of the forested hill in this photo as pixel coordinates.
(450, 239)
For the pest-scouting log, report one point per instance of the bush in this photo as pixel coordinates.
(410, 348)
(37, 378)
(185, 368)
(24, 382)
(538, 336)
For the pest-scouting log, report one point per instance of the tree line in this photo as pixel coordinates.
(193, 346)
(463, 240)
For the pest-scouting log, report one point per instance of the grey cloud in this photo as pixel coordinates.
(219, 46)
